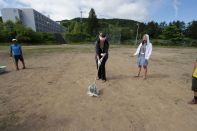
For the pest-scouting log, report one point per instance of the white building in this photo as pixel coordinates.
(31, 18)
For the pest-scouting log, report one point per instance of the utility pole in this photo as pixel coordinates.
(137, 34)
(81, 12)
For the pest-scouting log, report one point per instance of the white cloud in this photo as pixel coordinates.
(68, 9)
(2, 4)
(175, 5)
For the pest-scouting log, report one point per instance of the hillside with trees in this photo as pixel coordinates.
(176, 33)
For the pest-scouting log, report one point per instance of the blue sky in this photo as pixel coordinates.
(140, 10)
(186, 11)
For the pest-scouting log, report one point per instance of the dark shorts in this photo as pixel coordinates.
(18, 57)
(194, 84)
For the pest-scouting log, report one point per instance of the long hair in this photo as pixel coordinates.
(147, 38)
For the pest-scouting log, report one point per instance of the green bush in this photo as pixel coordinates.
(24, 35)
(46, 36)
(77, 37)
(161, 42)
(125, 34)
(37, 37)
(193, 43)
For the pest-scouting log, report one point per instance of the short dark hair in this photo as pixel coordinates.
(102, 35)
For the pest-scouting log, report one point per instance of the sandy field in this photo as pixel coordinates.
(51, 94)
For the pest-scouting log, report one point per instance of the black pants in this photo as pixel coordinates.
(101, 71)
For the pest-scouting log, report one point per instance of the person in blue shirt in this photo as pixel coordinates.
(16, 53)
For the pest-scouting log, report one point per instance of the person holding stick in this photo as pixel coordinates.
(102, 47)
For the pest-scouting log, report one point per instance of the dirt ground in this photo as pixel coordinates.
(50, 95)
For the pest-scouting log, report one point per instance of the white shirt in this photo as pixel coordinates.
(148, 50)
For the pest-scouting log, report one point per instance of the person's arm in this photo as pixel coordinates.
(138, 50)
(149, 52)
(97, 50)
(21, 51)
(10, 51)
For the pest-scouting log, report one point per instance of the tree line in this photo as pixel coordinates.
(122, 31)
(10, 30)
(117, 31)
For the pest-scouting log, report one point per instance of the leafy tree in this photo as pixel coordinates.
(141, 30)
(69, 25)
(1, 21)
(192, 30)
(3, 33)
(153, 29)
(10, 30)
(76, 37)
(93, 25)
(163, 25)
(173, 33)
(38, 37)
(22, 33)
(77, 28)
(125, 34)
(179, 24)
(46, 36)
(25, 35)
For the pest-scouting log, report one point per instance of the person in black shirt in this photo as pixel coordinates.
(101, 57)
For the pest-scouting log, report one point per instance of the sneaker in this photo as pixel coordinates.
(104, 80)
(136, 76)
(192, 102)
(98, 78)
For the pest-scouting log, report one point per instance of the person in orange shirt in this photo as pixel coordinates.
(194, 84)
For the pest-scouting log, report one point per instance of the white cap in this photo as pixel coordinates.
(14, 39)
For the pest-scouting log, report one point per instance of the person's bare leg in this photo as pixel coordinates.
(16, 65)
(23, 64)
(193, 101)
(139, 71)
(145, 72)
(195, 97)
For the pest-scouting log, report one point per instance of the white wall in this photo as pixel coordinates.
(28, 18)
(10, 14)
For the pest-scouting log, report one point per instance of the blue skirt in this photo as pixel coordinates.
(141, 61)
